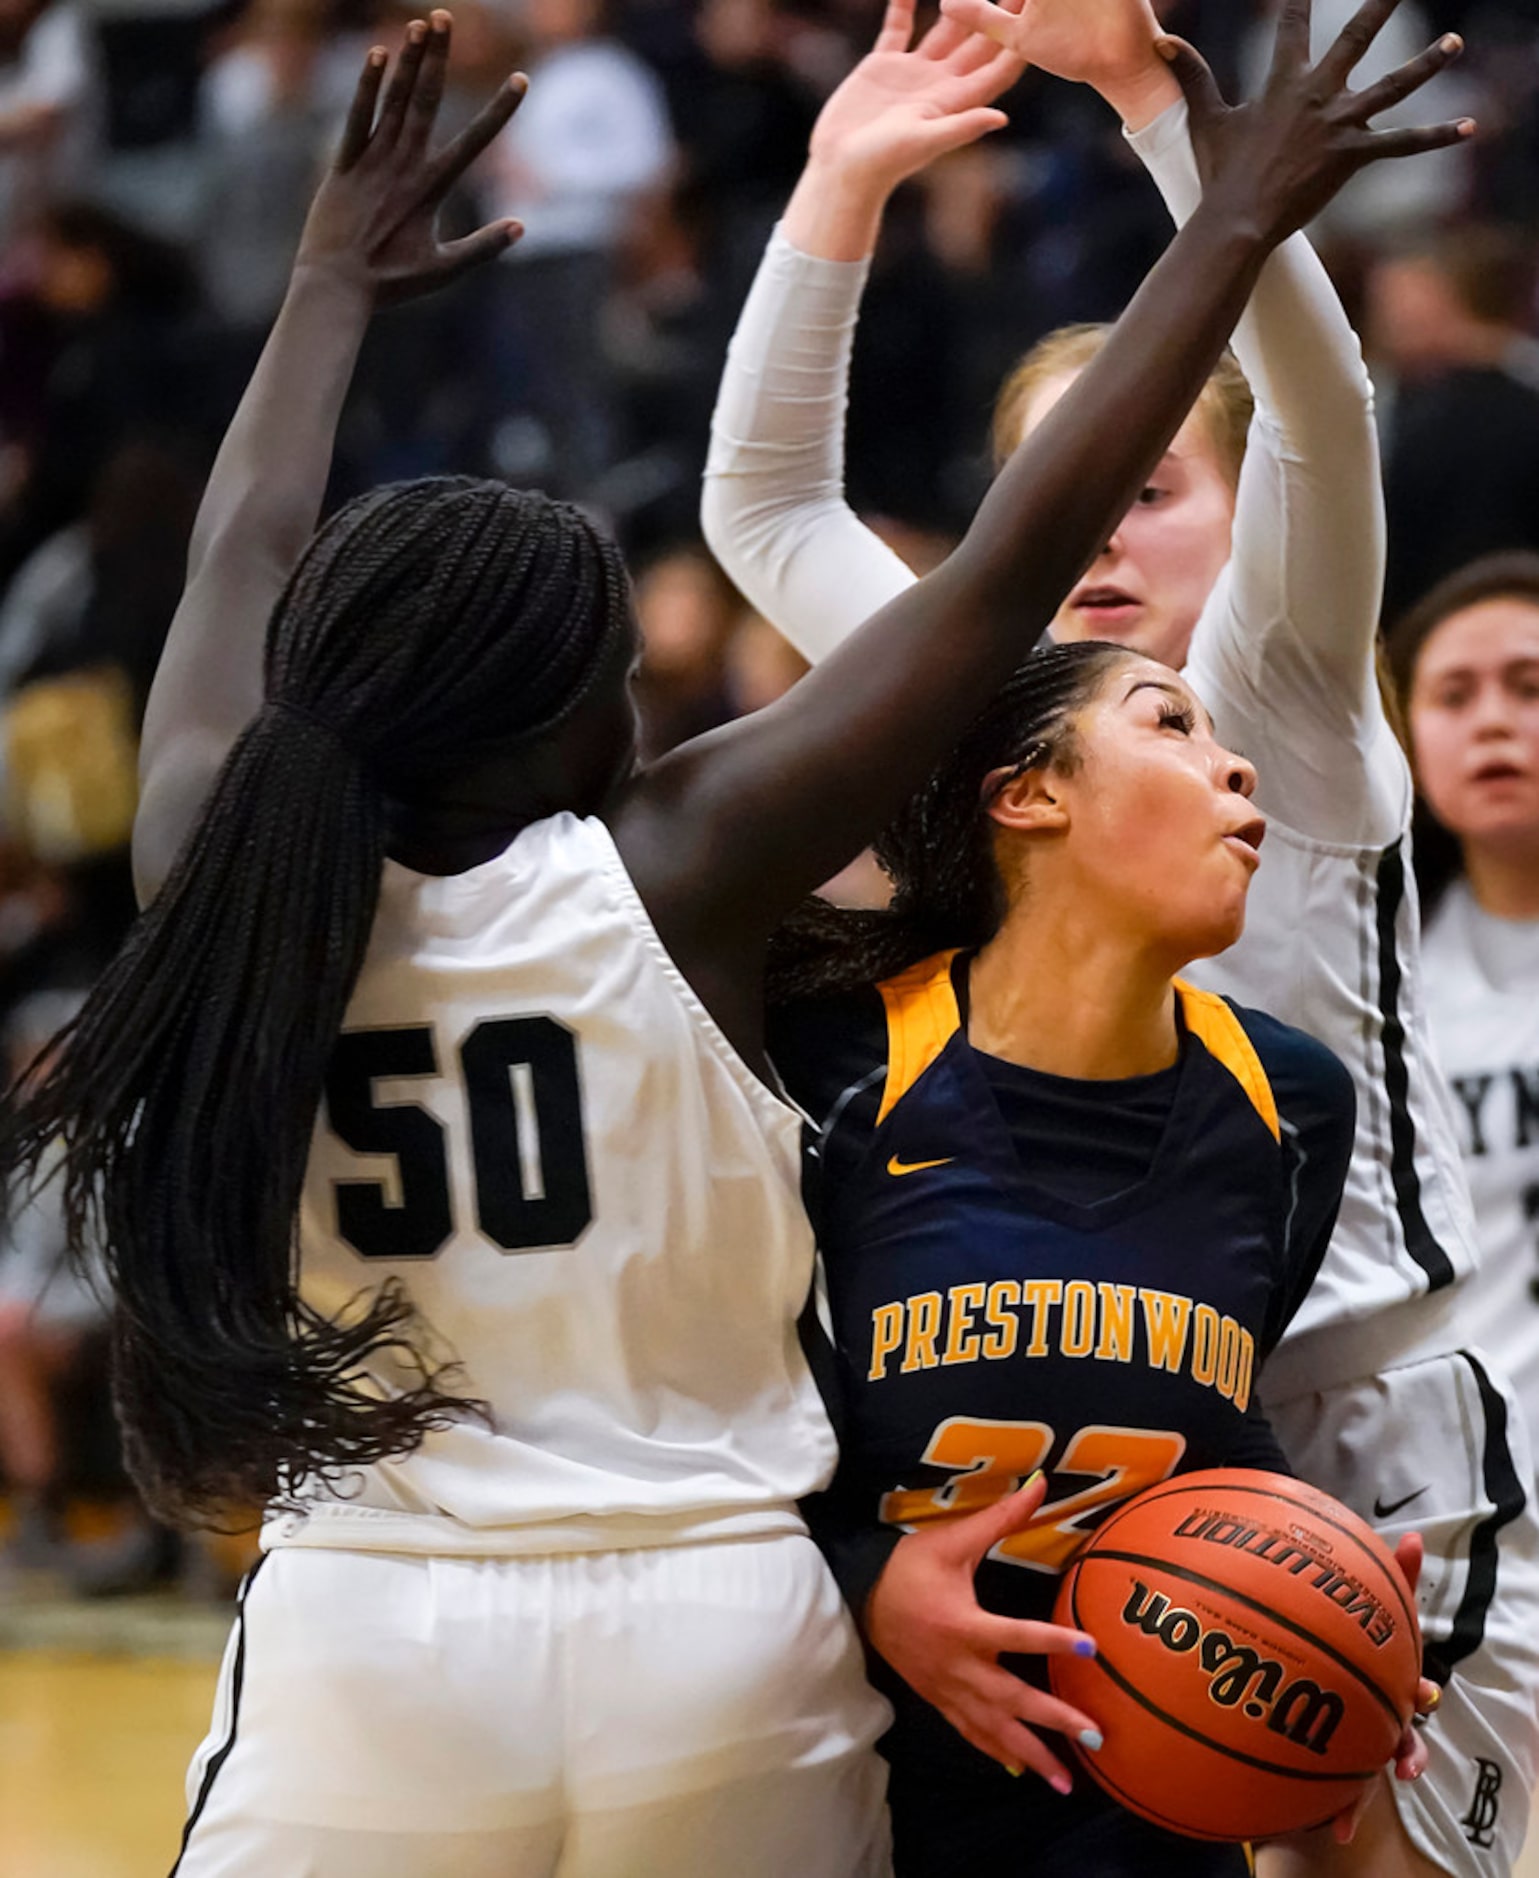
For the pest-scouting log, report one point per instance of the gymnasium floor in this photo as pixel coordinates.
(100, 1709)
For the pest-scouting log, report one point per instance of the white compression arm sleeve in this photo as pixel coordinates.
(1284, 651)
(773, 507)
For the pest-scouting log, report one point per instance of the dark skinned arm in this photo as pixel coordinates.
(368, 241)
(724, 836)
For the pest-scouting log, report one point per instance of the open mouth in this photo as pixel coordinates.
(1500, 772)
(1249, 835)
(1102, 600)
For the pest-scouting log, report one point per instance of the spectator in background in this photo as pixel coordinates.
(1466, 663)
(269, 107)
(685, 607)
(47, 1316)
(592, 139)
(151, 55)
(744, 116)
(664, 329)
(1451, 317)
(81, 627)
(99, 345)
(47, 104)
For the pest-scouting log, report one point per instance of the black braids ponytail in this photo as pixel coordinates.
(938, 850)
(426, 623)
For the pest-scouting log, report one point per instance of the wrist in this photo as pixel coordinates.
(332, 282)
(1233, 226)
(1140, 97)
(835, 211)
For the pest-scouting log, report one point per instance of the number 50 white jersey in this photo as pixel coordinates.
(533, 1124)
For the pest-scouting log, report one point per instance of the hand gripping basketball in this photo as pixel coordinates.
(923, 1615)
(1259, 1659)
(1411, 1751)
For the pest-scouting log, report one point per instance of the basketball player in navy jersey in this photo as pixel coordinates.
(449, 1202)
(1066, 1206)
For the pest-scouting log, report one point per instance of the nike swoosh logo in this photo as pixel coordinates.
(895, 1166)
(1381, 1511)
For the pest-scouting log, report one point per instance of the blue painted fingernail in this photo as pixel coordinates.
(1084, 1646)
(1090, 1738)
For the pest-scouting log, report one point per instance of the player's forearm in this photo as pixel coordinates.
(835, 211)
(773, 507)
(1049, 510)
(1140, 97)
(1309, 526)
(260, 507)
(270, 474)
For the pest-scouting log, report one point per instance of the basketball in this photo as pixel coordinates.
(1258, 1654)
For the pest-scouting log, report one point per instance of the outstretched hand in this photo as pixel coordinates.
(373, 221)
(1284, 155)
(924, 1617)
(1108, 44)
(904, 105)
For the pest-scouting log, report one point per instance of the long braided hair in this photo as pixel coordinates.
(428, 624)
(939, 849)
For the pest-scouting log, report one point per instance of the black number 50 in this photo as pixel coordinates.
(526, 1138)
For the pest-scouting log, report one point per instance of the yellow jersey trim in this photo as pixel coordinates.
(922, 1016)
(1222, 1035)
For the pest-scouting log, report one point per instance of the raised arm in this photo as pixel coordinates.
(772, 507)
(1284, 653)
(369, 240)
(778, 802)
(1293, 619)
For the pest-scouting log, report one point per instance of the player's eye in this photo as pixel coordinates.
(1178, 718)
(1150, 494)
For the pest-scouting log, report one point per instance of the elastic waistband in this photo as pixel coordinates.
(379, 1529)
(1414, 1331)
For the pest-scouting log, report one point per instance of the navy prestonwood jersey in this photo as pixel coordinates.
(991, 1315)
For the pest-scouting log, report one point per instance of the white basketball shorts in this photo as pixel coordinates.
(687, 1711)
(1439, 1447)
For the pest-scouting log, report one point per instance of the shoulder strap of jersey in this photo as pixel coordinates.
(1215, 1026)
(922, 1016)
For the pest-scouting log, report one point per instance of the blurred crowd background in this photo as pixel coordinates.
(156, 161)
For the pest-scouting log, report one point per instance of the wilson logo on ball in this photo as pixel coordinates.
(1303, 1712)
(1259, 1653)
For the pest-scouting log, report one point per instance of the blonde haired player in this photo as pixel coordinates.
(1266, 588)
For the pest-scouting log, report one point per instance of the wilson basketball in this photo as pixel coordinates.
(1258, 1654)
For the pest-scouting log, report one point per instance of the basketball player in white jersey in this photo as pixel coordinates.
(1265, 584)
(441, 994)
(1466, 666)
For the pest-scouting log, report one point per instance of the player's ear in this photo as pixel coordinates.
(1030, 800)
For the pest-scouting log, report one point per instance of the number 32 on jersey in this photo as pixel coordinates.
(523, 1097)
(987, 1460)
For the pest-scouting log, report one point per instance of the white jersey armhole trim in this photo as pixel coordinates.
(775, 1103)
